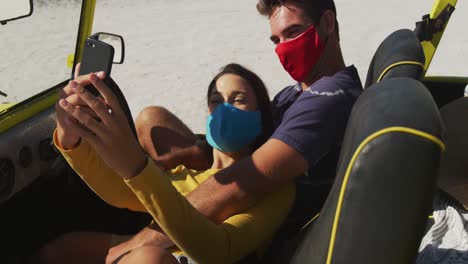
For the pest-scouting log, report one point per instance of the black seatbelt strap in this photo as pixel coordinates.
(427, 27)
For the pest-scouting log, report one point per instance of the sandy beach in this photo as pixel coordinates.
(174, 48)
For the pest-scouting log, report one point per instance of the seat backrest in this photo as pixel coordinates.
(453, 177)
(399, 55)
(377, 209)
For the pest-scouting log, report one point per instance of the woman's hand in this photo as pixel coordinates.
(110, 135)
(67, 134)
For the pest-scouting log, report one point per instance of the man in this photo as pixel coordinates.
(310, 119)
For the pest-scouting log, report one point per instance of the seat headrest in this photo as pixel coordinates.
(399, 55)
(453, 176)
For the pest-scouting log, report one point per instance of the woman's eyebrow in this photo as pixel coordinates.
(238, 92)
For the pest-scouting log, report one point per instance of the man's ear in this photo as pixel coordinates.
(327, 23)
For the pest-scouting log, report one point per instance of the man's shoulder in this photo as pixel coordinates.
(339, 91)
(345, 82)
(288, 91)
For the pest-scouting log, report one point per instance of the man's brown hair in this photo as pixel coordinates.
(312, 8)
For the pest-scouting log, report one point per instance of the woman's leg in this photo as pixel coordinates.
(169, 142)
(161, 132)
(77, 247)
(147, 254)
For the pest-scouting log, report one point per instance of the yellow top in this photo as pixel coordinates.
(161, 193)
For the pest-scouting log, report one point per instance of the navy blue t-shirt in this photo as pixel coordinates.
(313, 121)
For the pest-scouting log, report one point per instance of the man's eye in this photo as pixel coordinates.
(240, 100)
(294, 34)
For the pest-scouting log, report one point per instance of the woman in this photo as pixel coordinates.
(111, 162)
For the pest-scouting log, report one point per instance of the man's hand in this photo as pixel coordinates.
(149, 235)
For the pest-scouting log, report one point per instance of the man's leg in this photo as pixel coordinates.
(160, 132)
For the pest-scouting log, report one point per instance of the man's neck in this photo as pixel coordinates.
(329, 65)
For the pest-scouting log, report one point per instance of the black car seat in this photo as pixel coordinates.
(377, 209)
(399, 55)
(381, 178)
(453, 177)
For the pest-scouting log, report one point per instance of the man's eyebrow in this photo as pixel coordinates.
(291, 27)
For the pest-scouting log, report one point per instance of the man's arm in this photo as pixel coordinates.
(237, 187)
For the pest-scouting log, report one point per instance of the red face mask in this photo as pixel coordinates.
(298, 56)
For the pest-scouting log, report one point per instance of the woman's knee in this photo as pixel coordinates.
(155, 117)
(160, 132)
(152, 115)
(146, 121)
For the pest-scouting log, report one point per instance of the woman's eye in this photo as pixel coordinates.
(240, 101)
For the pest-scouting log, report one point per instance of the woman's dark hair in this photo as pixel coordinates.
(261, 93)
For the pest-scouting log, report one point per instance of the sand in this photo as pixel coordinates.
(175, 47)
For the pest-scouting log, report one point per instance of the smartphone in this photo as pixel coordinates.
(97, 56)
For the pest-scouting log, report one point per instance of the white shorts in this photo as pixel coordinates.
(183, 259)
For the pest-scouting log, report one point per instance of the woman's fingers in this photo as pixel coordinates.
(93, 102)
(106, 93)
(84, 80)
(66, 91)
(77, 70)
(90, 112)
(84, 132)
(83, 118)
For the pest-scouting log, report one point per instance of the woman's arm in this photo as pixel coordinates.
(200, 238)
(98, 176)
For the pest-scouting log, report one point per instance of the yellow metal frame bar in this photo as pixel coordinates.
(9, 117)
(430, 47)
(24, 112)
(86, 28)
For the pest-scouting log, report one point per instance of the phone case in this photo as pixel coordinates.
(97, 56)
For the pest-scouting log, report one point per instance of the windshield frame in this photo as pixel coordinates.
(18, 112)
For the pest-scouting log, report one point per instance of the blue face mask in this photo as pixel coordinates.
(230, 129)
